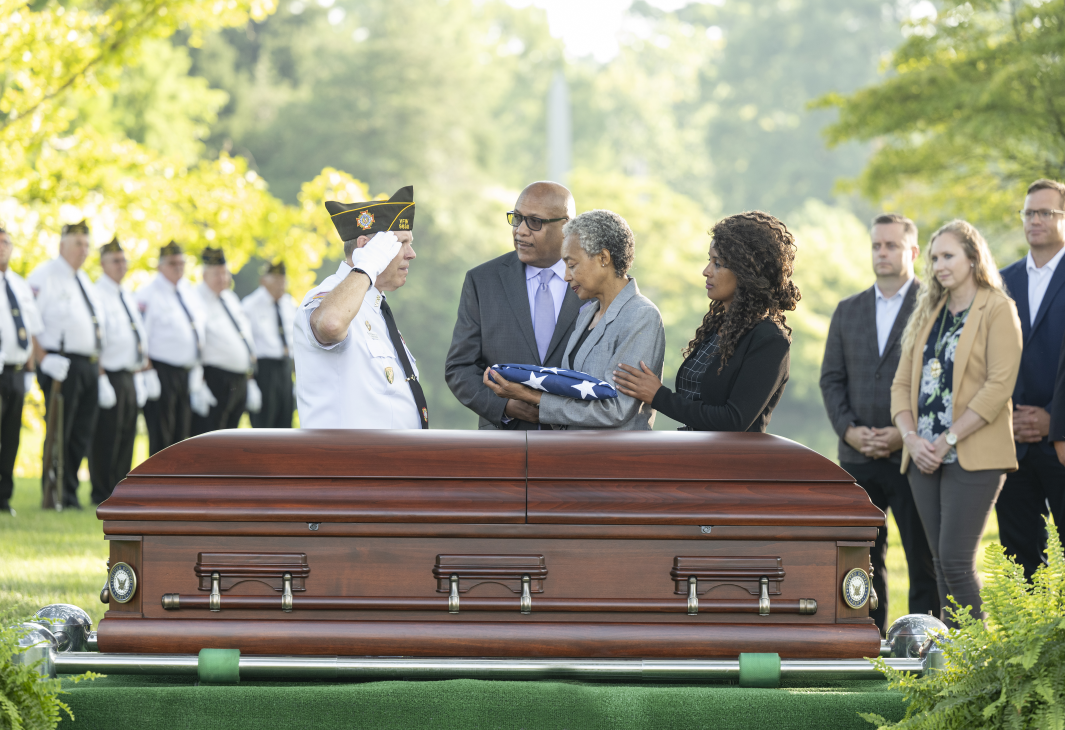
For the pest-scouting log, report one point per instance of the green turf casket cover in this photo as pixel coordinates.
(760, 670)
(222, 666)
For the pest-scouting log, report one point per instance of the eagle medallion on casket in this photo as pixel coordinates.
(122, 582)
(856, 586)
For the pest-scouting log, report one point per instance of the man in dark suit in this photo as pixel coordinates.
(1057, 418)
(1037, 285)
(516, 308)
(861, 356)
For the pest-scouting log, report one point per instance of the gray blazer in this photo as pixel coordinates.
(855, 377)
(494, 326)
(630, 331)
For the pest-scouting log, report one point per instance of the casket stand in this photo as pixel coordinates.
(489, 544)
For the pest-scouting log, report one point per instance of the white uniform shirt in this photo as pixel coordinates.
(120, 352)
(227, 331)
(1039, 282)
(887, 311)
(172, 338)
(262, 312)
(31, 319)
(358, 382)
(557, 286)
(68, 325)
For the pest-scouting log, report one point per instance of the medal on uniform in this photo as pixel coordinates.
(935, 368)
(390, 375)
(367, 323)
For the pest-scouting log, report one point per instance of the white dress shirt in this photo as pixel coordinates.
(172, 338)
(31, 319)
(557, 286)
(262, 311)
(229, 342)
(358, 382)
(1039, 281)
(887, 311)
(67, 316)
(124, 323)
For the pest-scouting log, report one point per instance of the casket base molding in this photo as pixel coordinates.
(525, 638)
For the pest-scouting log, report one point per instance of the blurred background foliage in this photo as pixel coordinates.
(230, 122)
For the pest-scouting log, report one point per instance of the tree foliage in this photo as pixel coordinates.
(1009, 673)
(973, 111)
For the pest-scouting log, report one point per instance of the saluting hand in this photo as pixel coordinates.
(640, 384)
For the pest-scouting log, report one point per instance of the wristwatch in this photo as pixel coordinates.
(951, 438)
(356, 268)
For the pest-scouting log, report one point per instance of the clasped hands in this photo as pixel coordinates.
(927, 455)
(875, 443)
(1030, 424)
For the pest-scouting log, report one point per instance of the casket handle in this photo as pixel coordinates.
(216, 592)
(763, 600)
(526, 596)
(286, 593)
(693, 596)
(453, 597)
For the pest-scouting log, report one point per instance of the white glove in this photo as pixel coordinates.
(55, 367)
(29, 379)
(152, 387)
(140, 388)
(195, 378)
(254, 402)
(202, 399)
(377, 254)
(107, 397)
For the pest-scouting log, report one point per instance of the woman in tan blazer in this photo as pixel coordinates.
(961, 352)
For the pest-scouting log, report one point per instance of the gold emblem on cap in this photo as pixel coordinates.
(367, 323)
(390, 375)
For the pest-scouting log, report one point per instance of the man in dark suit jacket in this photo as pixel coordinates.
(1037, 285)
(1057, 417)
(861, 356)
(516, 308)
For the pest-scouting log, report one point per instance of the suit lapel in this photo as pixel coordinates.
(968, 335)
(900, 321)
(609, 316)
(571, 306)
(1019, 291)
(513, 277)
(867, 308)
(1052, 289)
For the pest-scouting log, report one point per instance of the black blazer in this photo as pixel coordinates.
(743, 396)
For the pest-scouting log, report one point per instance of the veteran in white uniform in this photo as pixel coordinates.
(272, 311)
(175, 325)
(20, 323)
(353, 369)
(69, 347)
(123, 358)
(228, 352)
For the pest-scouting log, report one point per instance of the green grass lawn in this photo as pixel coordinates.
(50, 557)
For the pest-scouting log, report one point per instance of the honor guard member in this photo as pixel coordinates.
(20, 323)
(174, 322)
(228, 352)
(353, 369)
(69, 347)
(122, 357)
(271, 312)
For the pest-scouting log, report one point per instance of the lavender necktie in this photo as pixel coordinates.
(544, 316)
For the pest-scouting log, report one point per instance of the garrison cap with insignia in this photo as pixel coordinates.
(171, 249)
(113, 247)
(80, 227)
(365, 219)
(278, 267)
(213, 257)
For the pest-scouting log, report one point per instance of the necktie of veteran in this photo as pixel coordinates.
(408, 371)
(544, 316)
(16, 315)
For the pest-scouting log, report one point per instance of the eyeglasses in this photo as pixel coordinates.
(515, 219)
(1027, 214)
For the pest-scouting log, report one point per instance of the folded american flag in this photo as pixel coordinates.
(567, 383)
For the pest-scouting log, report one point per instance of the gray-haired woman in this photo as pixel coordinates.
(619, 325)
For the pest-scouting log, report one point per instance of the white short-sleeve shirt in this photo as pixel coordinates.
(123, 325)
(228, 344)
(13, 354)
(263, 314)
(355, 383)
(172, 338)
(64, 297)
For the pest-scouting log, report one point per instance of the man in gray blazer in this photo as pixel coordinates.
(516, 308)
(861, 356)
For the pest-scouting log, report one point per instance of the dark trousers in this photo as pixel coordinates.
(231, 392)
(81, 397)
(169, 418)
(112, 446)
(887, 488)
(12, 395)
(1022, 505)
(274, 378)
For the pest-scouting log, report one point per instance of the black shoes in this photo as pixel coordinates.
(6, 509)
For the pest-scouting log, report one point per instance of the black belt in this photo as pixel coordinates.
(14, 368)
(75, 356)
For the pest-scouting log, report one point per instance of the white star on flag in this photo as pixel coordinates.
(586, 389)
(534, 382)
(549, 370)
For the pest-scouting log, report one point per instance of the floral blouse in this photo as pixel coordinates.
(935, 414)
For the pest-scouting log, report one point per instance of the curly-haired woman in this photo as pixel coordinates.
(737, 364)
(961, 352)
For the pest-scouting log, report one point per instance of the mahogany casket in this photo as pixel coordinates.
(489, 544)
